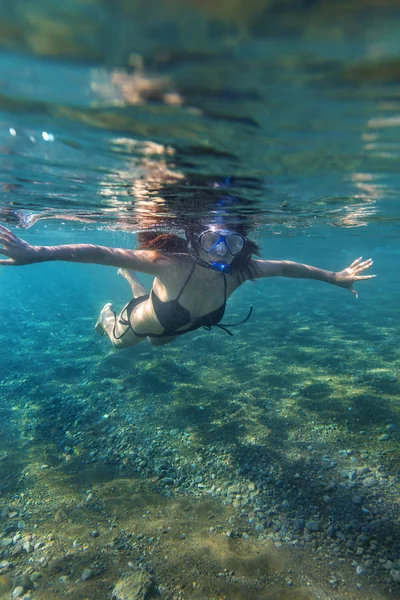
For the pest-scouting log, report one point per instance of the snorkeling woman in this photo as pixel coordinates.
(193, 277)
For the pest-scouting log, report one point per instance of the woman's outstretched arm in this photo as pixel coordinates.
(345, 278)
(20, 252)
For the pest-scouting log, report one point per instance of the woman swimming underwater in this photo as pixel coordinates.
(193, 277)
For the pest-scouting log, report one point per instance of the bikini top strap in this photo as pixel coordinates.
(190, 276)
(225, 287)
(187, 281)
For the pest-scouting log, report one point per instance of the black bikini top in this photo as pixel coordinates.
(172, 315)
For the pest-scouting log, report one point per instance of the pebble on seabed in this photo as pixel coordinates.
(87, 574)
(312, 526)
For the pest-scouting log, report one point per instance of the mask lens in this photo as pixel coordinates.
(235, 243)
(208, 240)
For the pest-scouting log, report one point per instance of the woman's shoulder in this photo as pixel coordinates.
(172, 263)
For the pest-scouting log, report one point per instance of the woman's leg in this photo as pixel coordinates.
(137, 288)
(121, 335)
(108, 323)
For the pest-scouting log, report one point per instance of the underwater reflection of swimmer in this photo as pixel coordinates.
(122, 87)
(194, 277)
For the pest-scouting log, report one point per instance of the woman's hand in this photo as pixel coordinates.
(349, 276)
(18, 251)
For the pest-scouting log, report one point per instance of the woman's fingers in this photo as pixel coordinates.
(362, 266)
(5, 252)
(6, 232)
(360, 277)
(355, 263)
(7, 238)
(366, 263)
(6, 262)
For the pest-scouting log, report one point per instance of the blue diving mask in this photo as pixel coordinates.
(211, 240)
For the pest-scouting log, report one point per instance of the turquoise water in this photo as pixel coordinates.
(213, 451)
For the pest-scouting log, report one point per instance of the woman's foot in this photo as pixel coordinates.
(106, 318)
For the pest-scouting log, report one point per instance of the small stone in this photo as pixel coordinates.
(23, 581)
(87, 574)
(17, 550)
(362, 539)
(38, 545)
(360, 570)
(133, 587)
(370, 482)
(384, 437)
(299, 524)
(363, 471)
(391, 427)
(395, 574)
(18, 592)
(373, 546)
(312, 526)
(357, 500)
(95, 534)
(331, 531)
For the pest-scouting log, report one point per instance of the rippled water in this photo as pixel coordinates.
(114, 115)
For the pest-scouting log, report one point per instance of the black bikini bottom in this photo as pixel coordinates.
(129, 308)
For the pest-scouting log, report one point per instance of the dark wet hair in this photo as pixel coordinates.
(169, 243)
(164, 243)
